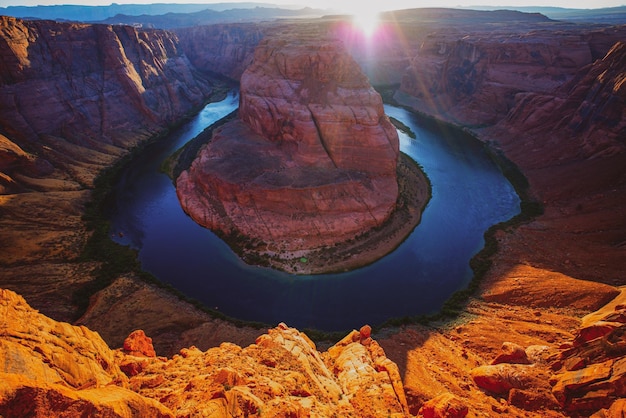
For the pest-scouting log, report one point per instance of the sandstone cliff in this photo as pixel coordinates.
(310, 162)
(79, 95)
(472, 78)
(224, 49)
(73, 99)
(533, 290)
(558, 114)
(552, 102)
(570, 144)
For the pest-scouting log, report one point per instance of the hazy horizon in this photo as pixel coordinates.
(344, 5)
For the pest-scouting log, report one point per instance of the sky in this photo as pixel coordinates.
(352, 5)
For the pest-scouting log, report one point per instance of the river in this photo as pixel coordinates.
(469, 194)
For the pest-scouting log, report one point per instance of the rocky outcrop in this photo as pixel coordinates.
(51, 369)
(310, 162)
(55, 369)
(591, 371)
(282, 374)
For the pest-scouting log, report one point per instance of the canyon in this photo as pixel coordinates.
(547, 96)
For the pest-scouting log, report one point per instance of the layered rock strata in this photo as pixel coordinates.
(310, 162)
(566, 135)
(73, 99)
(556, 110)
(224, 49)
(78, 95)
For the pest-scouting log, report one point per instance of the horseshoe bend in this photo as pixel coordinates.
(309, 169)
(543, 333)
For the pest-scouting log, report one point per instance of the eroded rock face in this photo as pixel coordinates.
(281, 375)
(473, 79)
(78, 95)
(73, 99)
(591, 107)
(553, 103)
(226, 49)
(310, 162)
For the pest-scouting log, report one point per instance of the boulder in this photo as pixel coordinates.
(501, 378)
(445, 405)
(139, 344)
(511, 353)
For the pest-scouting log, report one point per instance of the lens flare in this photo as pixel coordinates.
(366, 20)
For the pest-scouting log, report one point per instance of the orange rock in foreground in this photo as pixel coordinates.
(139, 344)
(49, 368)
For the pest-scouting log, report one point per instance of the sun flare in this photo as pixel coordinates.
(366, 20)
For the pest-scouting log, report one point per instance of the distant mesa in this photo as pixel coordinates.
(310, 162)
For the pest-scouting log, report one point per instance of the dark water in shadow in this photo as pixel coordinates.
(469, 195)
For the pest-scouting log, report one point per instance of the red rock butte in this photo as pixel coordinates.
(311, 160)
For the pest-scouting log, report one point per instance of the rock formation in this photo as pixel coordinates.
(78, 95)
(563, 132)
(224, 49)
(73, 99)
(472, 78)
(53, 369)
(556, 110)
(310, 162)
(50, 368)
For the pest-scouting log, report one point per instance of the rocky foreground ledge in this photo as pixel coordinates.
(54, 369)
(50, 368)
(310, 163)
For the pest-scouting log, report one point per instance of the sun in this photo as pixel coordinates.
(366, 20)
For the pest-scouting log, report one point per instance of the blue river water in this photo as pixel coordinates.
(469, 194)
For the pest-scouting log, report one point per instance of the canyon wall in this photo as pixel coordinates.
(224, 49)
(570, 144)
(77, 95)
(472, 78)
(564, 132)
(74, 98)
(311, 162)
(552, 102)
